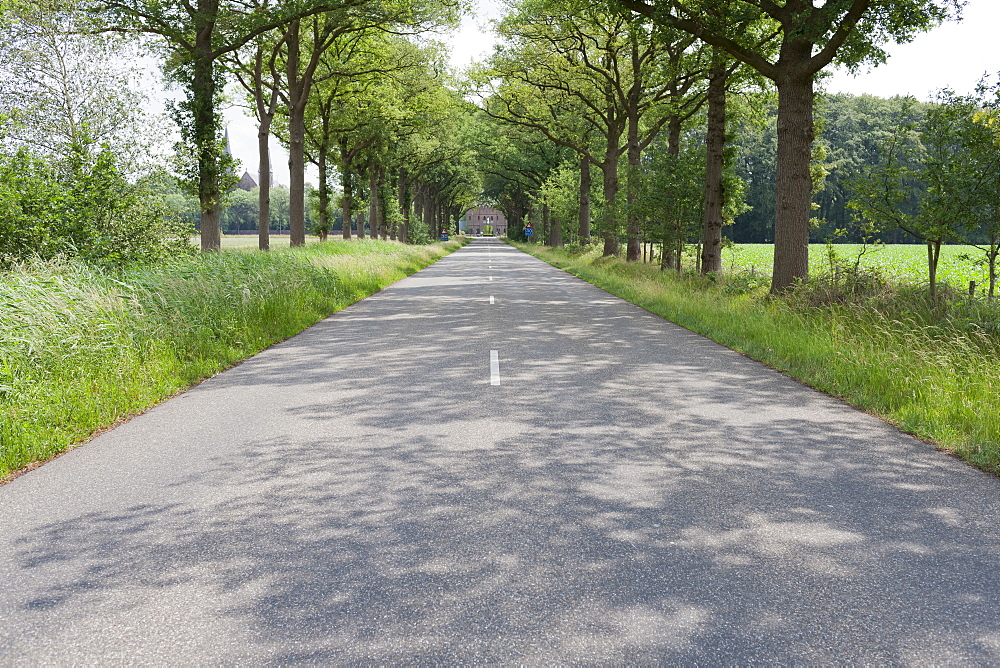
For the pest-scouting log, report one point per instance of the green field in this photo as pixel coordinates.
(906, 262)
(250, 240)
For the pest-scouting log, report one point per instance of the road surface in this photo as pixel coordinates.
(494, 462)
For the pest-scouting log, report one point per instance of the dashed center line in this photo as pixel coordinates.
(494, 367)
(491, 299)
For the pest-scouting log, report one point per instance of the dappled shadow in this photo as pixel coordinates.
(630, 493)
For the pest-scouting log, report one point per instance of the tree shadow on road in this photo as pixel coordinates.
(583, 512)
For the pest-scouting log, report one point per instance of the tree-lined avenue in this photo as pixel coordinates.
(629, 493)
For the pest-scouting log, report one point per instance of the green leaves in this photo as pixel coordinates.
(86, 209)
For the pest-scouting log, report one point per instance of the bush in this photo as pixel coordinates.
(83, 208)
(82, 346)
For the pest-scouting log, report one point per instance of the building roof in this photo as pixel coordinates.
(246, 182)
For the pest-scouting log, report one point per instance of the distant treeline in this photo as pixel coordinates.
(850, 135)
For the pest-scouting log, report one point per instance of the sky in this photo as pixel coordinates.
(952, 55)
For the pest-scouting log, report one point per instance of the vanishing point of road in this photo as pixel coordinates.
(494, 462)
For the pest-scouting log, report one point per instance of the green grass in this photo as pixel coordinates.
(930, 369)
(81, 349)
(250, 240)
(903, 262)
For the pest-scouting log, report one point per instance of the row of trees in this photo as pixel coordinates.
(601, 85)
(346, 85)
(365, 102)
(600, 115)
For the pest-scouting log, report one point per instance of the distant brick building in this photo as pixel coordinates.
(485, 220)
(246, 182)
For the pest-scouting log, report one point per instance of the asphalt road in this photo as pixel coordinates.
(628, 493)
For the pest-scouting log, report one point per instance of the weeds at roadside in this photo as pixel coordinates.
(80, 348)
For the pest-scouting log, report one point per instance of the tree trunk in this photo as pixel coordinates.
(584, 200)
(324, 196)
(347, 199)
(933, 255)
(417, 217)
(711, 250)
(794, 183)
(555, 229)
(546, 224)
(373, 188)
(205, 123)
(993, 269)
(264, 185)
(428, 212)
(296, 141)
(403, 196)
(667, 249)
(680, 253)
(634, 154)
(610, 173)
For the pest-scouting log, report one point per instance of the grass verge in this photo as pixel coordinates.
(81, 349)
(933, 373)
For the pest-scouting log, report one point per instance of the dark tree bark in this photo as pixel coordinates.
(585, 185)
(404, 199)
(711, 249)
(373, 197)
(809, 36)
(933, 258)
(555, 228)
(324, 195)
(794, 180)
(297, 93)
(610, 233)
(205, 125)
(264, 187)
(348, 185)
(668, 258)
(634, 155)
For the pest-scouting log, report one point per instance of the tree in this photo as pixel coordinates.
(83, 207)
(257, 72)
(981, 139)
(64, 91)
(927, 184)
(719, 181)
(790, 43)
(399, 16)
(515, 162)
(196, 35)
(592, 82)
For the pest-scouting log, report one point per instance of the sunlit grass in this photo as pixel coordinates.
(80, 349)
(930, 369)
(904, 262)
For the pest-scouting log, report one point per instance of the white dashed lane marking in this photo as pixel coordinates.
(494, 367)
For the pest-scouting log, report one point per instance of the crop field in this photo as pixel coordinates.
(250, 240)
(906, 262)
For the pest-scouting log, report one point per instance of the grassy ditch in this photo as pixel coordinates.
(81, 349)
(931, 369)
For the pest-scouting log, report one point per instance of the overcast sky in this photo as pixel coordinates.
(953, 55)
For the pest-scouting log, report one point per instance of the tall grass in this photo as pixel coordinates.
(932, 369)
(81, 349)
